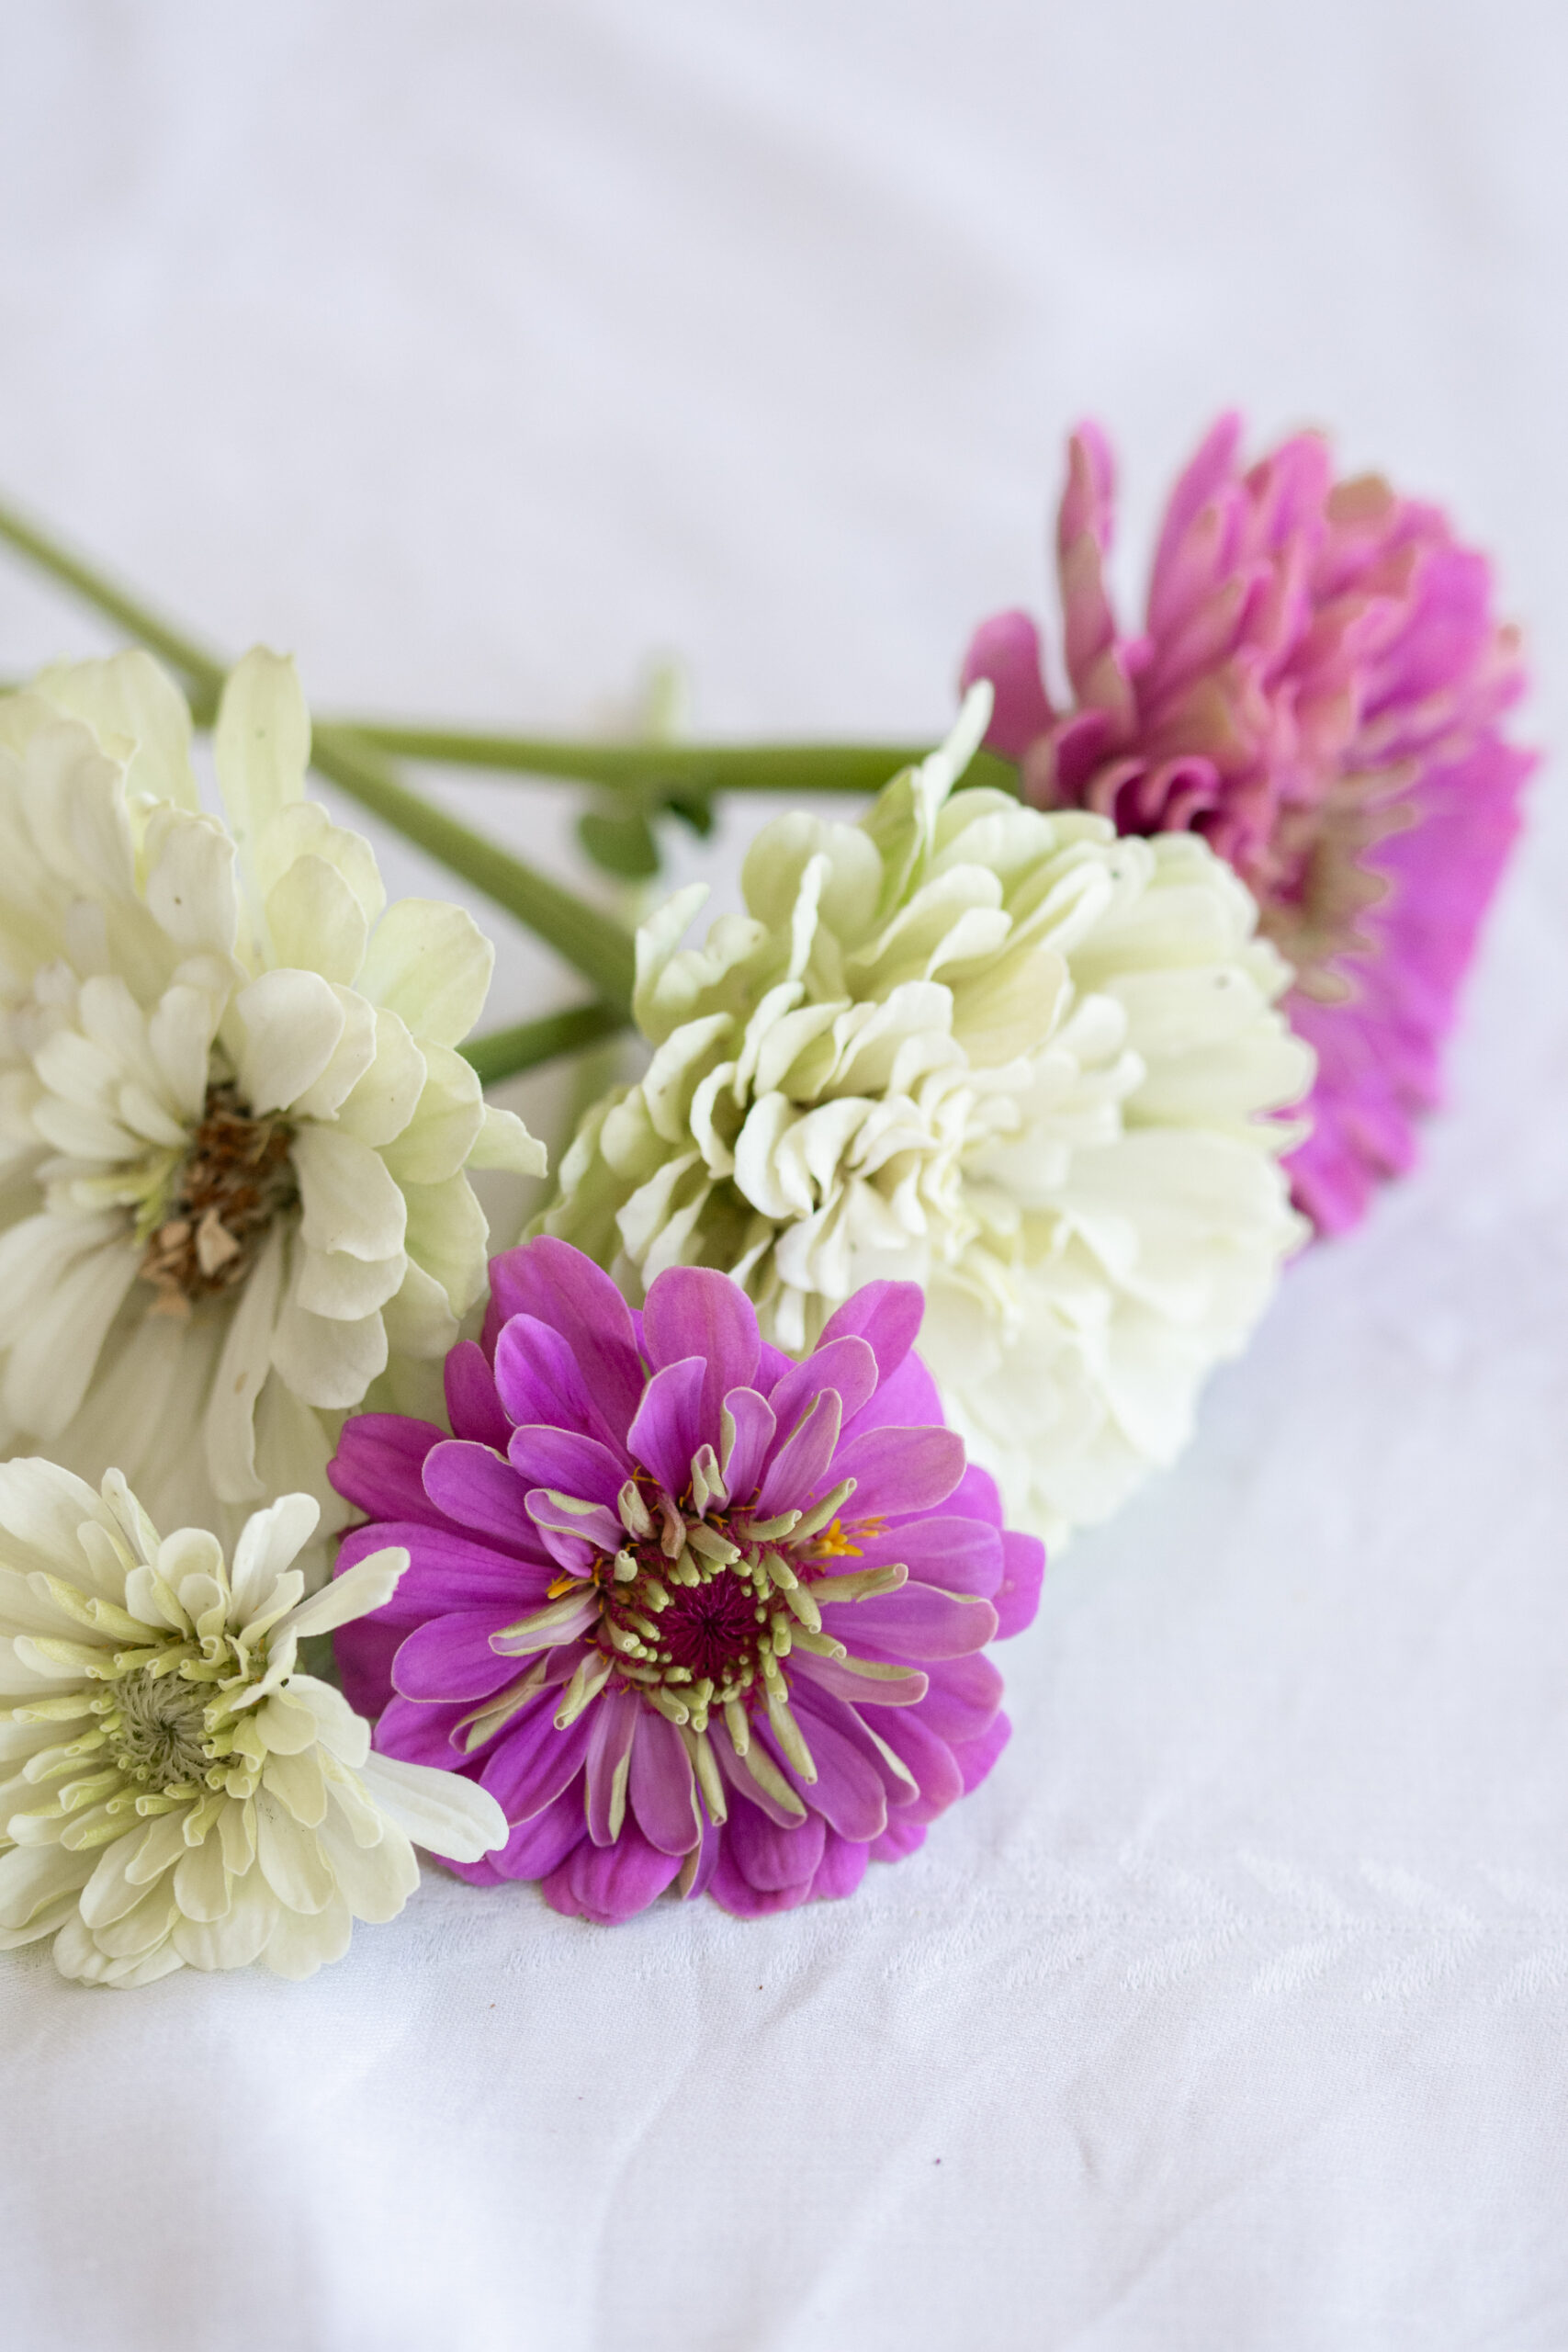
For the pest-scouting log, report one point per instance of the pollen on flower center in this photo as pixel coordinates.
(157, 1729)
(235, 1178)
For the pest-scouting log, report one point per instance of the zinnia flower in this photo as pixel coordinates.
(692, 1612)
(171, 1792)
(1318, 692)
(1005, 1055)
(234, 1130)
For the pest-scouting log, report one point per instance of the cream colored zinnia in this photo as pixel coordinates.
(234, 1130)
(1009, 1055)
(174, 1792)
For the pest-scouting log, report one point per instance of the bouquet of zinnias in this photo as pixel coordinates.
(664, 1552)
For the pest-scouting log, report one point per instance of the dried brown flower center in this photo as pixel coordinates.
(235, 1178)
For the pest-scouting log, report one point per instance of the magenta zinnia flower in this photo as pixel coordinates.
(691, 1611)
(1318, 690)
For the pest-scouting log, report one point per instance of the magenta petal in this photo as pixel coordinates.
(740, 1779)
(1017, 1598)
(669, 1426)
(814, 1705)
(608, 1884)
(614, 1721)
(915, 1625)
(929, 1758)
(958, 1555)
(571, 1464)
(540, 1845)
(901, 1837)
(734, 1893)
(377, 1463)
(975, 1497)
(887, 1315)
(900, 1471)
(1005, 650)
(975, 1757)
(712, 1846)
(573, 1538)
(538, 1378)
(472, 1405)
(909, 1397)
(450, 1658)
(846, 1365)
(422, 1733)
(530, 1763)
(664, 1795)
(769, 1858)
(557, 1284)
(962, 1700)
(840, 1870)
(446, 1572)
(365, 1651)
(848, 1790)
(691, 1311)
(480, 1490)
(855, 1689)
(755, 1430)
(799, 1470)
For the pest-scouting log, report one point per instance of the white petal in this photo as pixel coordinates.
(447, 1124)
(316, 922)
(269, 1543)
(299, 1944)
(282, 1031)
(430, 963)
(440, 1810)
(239, 1936)
(132, 697)
(190, 885)
(374, 1880)
(52, 1363)
(418, 1319)
(348, 1199)
(386, 1098)
(331, 1283)
(369, 1585)
(261, 745)
(180, 1036)
(33, 1877)
(504, 1142)
(447, 1235)
(327, 1363)
(201, 1883)
(289, 1858)
(228, 1433)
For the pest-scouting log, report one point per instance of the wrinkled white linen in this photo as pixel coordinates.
(474, 352)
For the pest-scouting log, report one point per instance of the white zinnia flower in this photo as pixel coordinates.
(233, 1127)
(171, 1792)
(1009, 1055)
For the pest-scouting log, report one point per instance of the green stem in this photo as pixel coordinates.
(201, 666)
(507, 1053)
(595, 943)
(703, 768)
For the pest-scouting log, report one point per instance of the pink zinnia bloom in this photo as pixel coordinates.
(1318, 689)
(692, 1612)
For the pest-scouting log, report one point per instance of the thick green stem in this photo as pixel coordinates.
(202, 668)
(700, 767)
(507, 1053)
(595, 943)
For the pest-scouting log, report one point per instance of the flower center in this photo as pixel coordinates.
(234, 1180)
(158, 1729)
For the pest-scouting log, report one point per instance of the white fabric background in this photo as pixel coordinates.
(476, 352)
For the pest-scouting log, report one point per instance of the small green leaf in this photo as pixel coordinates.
(620, 841)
